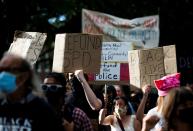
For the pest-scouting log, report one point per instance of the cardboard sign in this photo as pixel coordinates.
(77, 51)
(150, 64)
(28, 45)
(144, 29)
(114, 63)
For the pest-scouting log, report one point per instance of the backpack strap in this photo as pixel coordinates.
(120, 124)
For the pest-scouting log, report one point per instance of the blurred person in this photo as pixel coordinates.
(163, 85)
(86, 97)
(73, 118)
(177, 110)
(121, 119)
(123, 90)
(109, 94)
(149, 122)
(109, 97)
(23, 105)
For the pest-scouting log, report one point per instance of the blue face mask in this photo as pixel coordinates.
(7, 82)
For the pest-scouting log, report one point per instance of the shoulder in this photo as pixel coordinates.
(152, 111)
(77, 112)
(111, 119)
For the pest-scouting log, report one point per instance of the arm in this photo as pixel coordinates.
(93, 101)
(108, 120)
(137, 125)
(149, 122)
(68, 126)
(140, 110)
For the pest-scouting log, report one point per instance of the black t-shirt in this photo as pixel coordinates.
(35, 115)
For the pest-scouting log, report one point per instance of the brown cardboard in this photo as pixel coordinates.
(77, 51)
(28, 45)
(150, 64)
(169, 58)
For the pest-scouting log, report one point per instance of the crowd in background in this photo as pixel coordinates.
(67, 102)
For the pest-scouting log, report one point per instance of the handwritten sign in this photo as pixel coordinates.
(77, 51)
(28, 45)
(144, 29)
(109, 72)
(170, 57)
(114, 62)
(20, 47)
(150, 64)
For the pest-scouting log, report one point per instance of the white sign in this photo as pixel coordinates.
(28, 45)
(109, 72)
(114, 61)
(144, 29)
(117, 51)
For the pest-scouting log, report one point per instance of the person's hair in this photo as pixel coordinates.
(110, 89)
(76, 85)
(160, 103)
(125, 90)
(59, 77)
(171, 111)
(126, 103)
(33, 81)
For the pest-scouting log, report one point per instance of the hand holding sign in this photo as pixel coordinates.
(80, 75)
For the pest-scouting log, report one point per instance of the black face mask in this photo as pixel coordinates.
(54, 98)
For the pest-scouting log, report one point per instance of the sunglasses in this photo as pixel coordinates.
(51, 87)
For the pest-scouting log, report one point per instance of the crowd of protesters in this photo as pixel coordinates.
(26, 103)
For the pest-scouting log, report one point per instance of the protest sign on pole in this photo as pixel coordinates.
(28, 45)
(144, 29)
(75, 51)
(147, 65)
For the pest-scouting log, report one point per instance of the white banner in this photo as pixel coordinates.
(144, 29)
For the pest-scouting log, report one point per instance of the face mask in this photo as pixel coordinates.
(121, 111)
(7, 82)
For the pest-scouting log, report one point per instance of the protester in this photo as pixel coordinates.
(163, 85)
(121, 119)
(55, 89)
(85, 97)
(22, 104)
(123, 90)
(136, 97)
(177, 110)
(109, 94)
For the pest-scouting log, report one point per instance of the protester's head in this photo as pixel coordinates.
(178, 109)
(121, 106)
(122, 90)
(166, 83)
(17, 78)
(54, 87)
(111, 92)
